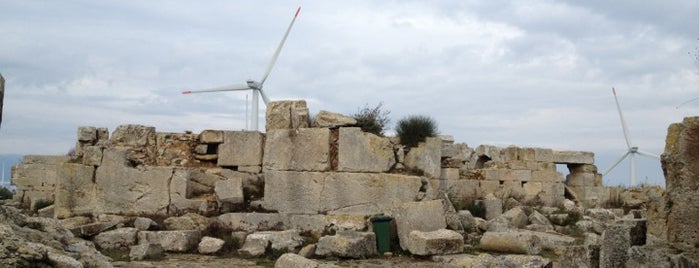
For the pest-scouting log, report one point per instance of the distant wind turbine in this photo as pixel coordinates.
(255, 86)
(632, 149)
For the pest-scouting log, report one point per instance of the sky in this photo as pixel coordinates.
(529, 73)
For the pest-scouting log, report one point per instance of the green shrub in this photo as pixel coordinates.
(5, 193)
(372, 120)
(415, 129)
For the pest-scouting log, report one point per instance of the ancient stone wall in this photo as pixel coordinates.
(332, 168)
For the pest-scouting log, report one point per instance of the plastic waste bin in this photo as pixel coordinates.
(382, 228)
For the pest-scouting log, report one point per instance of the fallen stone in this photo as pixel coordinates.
(229, 192)
(143, 224)
(520, 242)
(251, 222)
(418, 216)
(119, 239)
(172, 241)
(211, 136)
(210, 245)
(435, 243)
(516, 216)
(256, 244)
(325, 119)
(189, 221)
(146, 251)
(347, 244)
(487, 260)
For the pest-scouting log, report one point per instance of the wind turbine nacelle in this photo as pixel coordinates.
(253, 84)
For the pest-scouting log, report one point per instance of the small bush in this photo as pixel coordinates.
(372, 120)
(415, 129)
(5, 193)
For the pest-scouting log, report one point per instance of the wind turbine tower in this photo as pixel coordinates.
(632, 149)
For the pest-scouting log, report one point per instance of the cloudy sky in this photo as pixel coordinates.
(526, 73)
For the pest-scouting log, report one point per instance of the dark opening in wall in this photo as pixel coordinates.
(212, 149)
(480, 163)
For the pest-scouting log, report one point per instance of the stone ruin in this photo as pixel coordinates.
(326, 178)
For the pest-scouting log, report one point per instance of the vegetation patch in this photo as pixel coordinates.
(372, 119)
(415, 129)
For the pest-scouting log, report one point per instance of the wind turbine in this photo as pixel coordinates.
(632, 149)
(255, 86)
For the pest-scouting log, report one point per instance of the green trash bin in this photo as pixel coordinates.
(382, 228)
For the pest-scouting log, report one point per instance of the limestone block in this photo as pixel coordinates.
(532, 189)
(146, 251)
(459, 151)
(291, 260)
(511, 153)
(241, 148)
(489, 151)
(325, 119)
(293, 192)
(102, 136)
(125, 190)
(492, 206)
(581, 179)
(461, 192)
(172, 241)
(360, 151)
(229, 191)
(143, 223)
(375, 193)
(573, 157)
(287, 115)
(257, 243)
(75, 190)
(348, 244)
(250, 169)
(189, 221)
(92, 155)
(119, 239)
(426, 157)
(210, 245)
(553, 241)
(250, 222)
(519, 242)
(45, 159)
(616, 241)
(35, 175)
(437, 242)
(211, 136)
(419, 216)
(516, 216)
(449, 174)
(487, 187)
(546, 176)
(307, 150)
(318, 224)
(87, 134)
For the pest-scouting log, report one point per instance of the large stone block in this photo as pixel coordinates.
(419, 216)
(87, 134)
(325, 119)
(291, 260)
(287, 115)
(293, 192)
(438, 242)
(92, 155)
(172, 241)
(229, 191)
(573, 157)
(211, 136)
(348, 244)
(250, 222)
(360, 151)
(75, 190)
(125, 190)
(426, 157)
(241, 148)
(519, 242)
(258, 243)
(119, 239)
(305, 150)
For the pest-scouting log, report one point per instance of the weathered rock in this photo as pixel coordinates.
(600, 214)
(210, 245)
(291, 260)
(680, 163)
(418, 216)
(250, 222)
(520, 242)
(308, 251)
(92, 155)
(617, 239)
(360, 151)
(119, 239)
(467, 220)
(75, 190)
(572, 157)
(189, 221)
(143, 223)
(347, 244)
(172, 241)
(211, 136)
(435, 243)
(241, 148)
(146, 251)
(325, 119)
(229, 192)
(256, 244)
(516, 216)
(307, 149)
(487, 260)
(426, 157)
(287, 115)
(491, 205)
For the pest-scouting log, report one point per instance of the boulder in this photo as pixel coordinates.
(347, 244)
(172, 241)
(143, 223)
(307, 149)
(240, 148)
(325, 119)
(291, 260)
(435, 243)
(516, 216)
(491, 205)
(189, 221)
(487, 260)
(256, 244)
(146, 251)
(289, 114)
(519, 242)
(418, 216)
(119, 239)
(360, 151)
(426, 157)
(211, 136)
(229, 192)
(251, 222)
(210, 245)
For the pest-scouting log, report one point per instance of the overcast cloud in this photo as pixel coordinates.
(525, 73)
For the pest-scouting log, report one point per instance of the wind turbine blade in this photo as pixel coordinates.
(216, 89)
(279, 49)
(264, 97)
(644, 153)
(632, 178)
(604, 173)
(623, 122)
